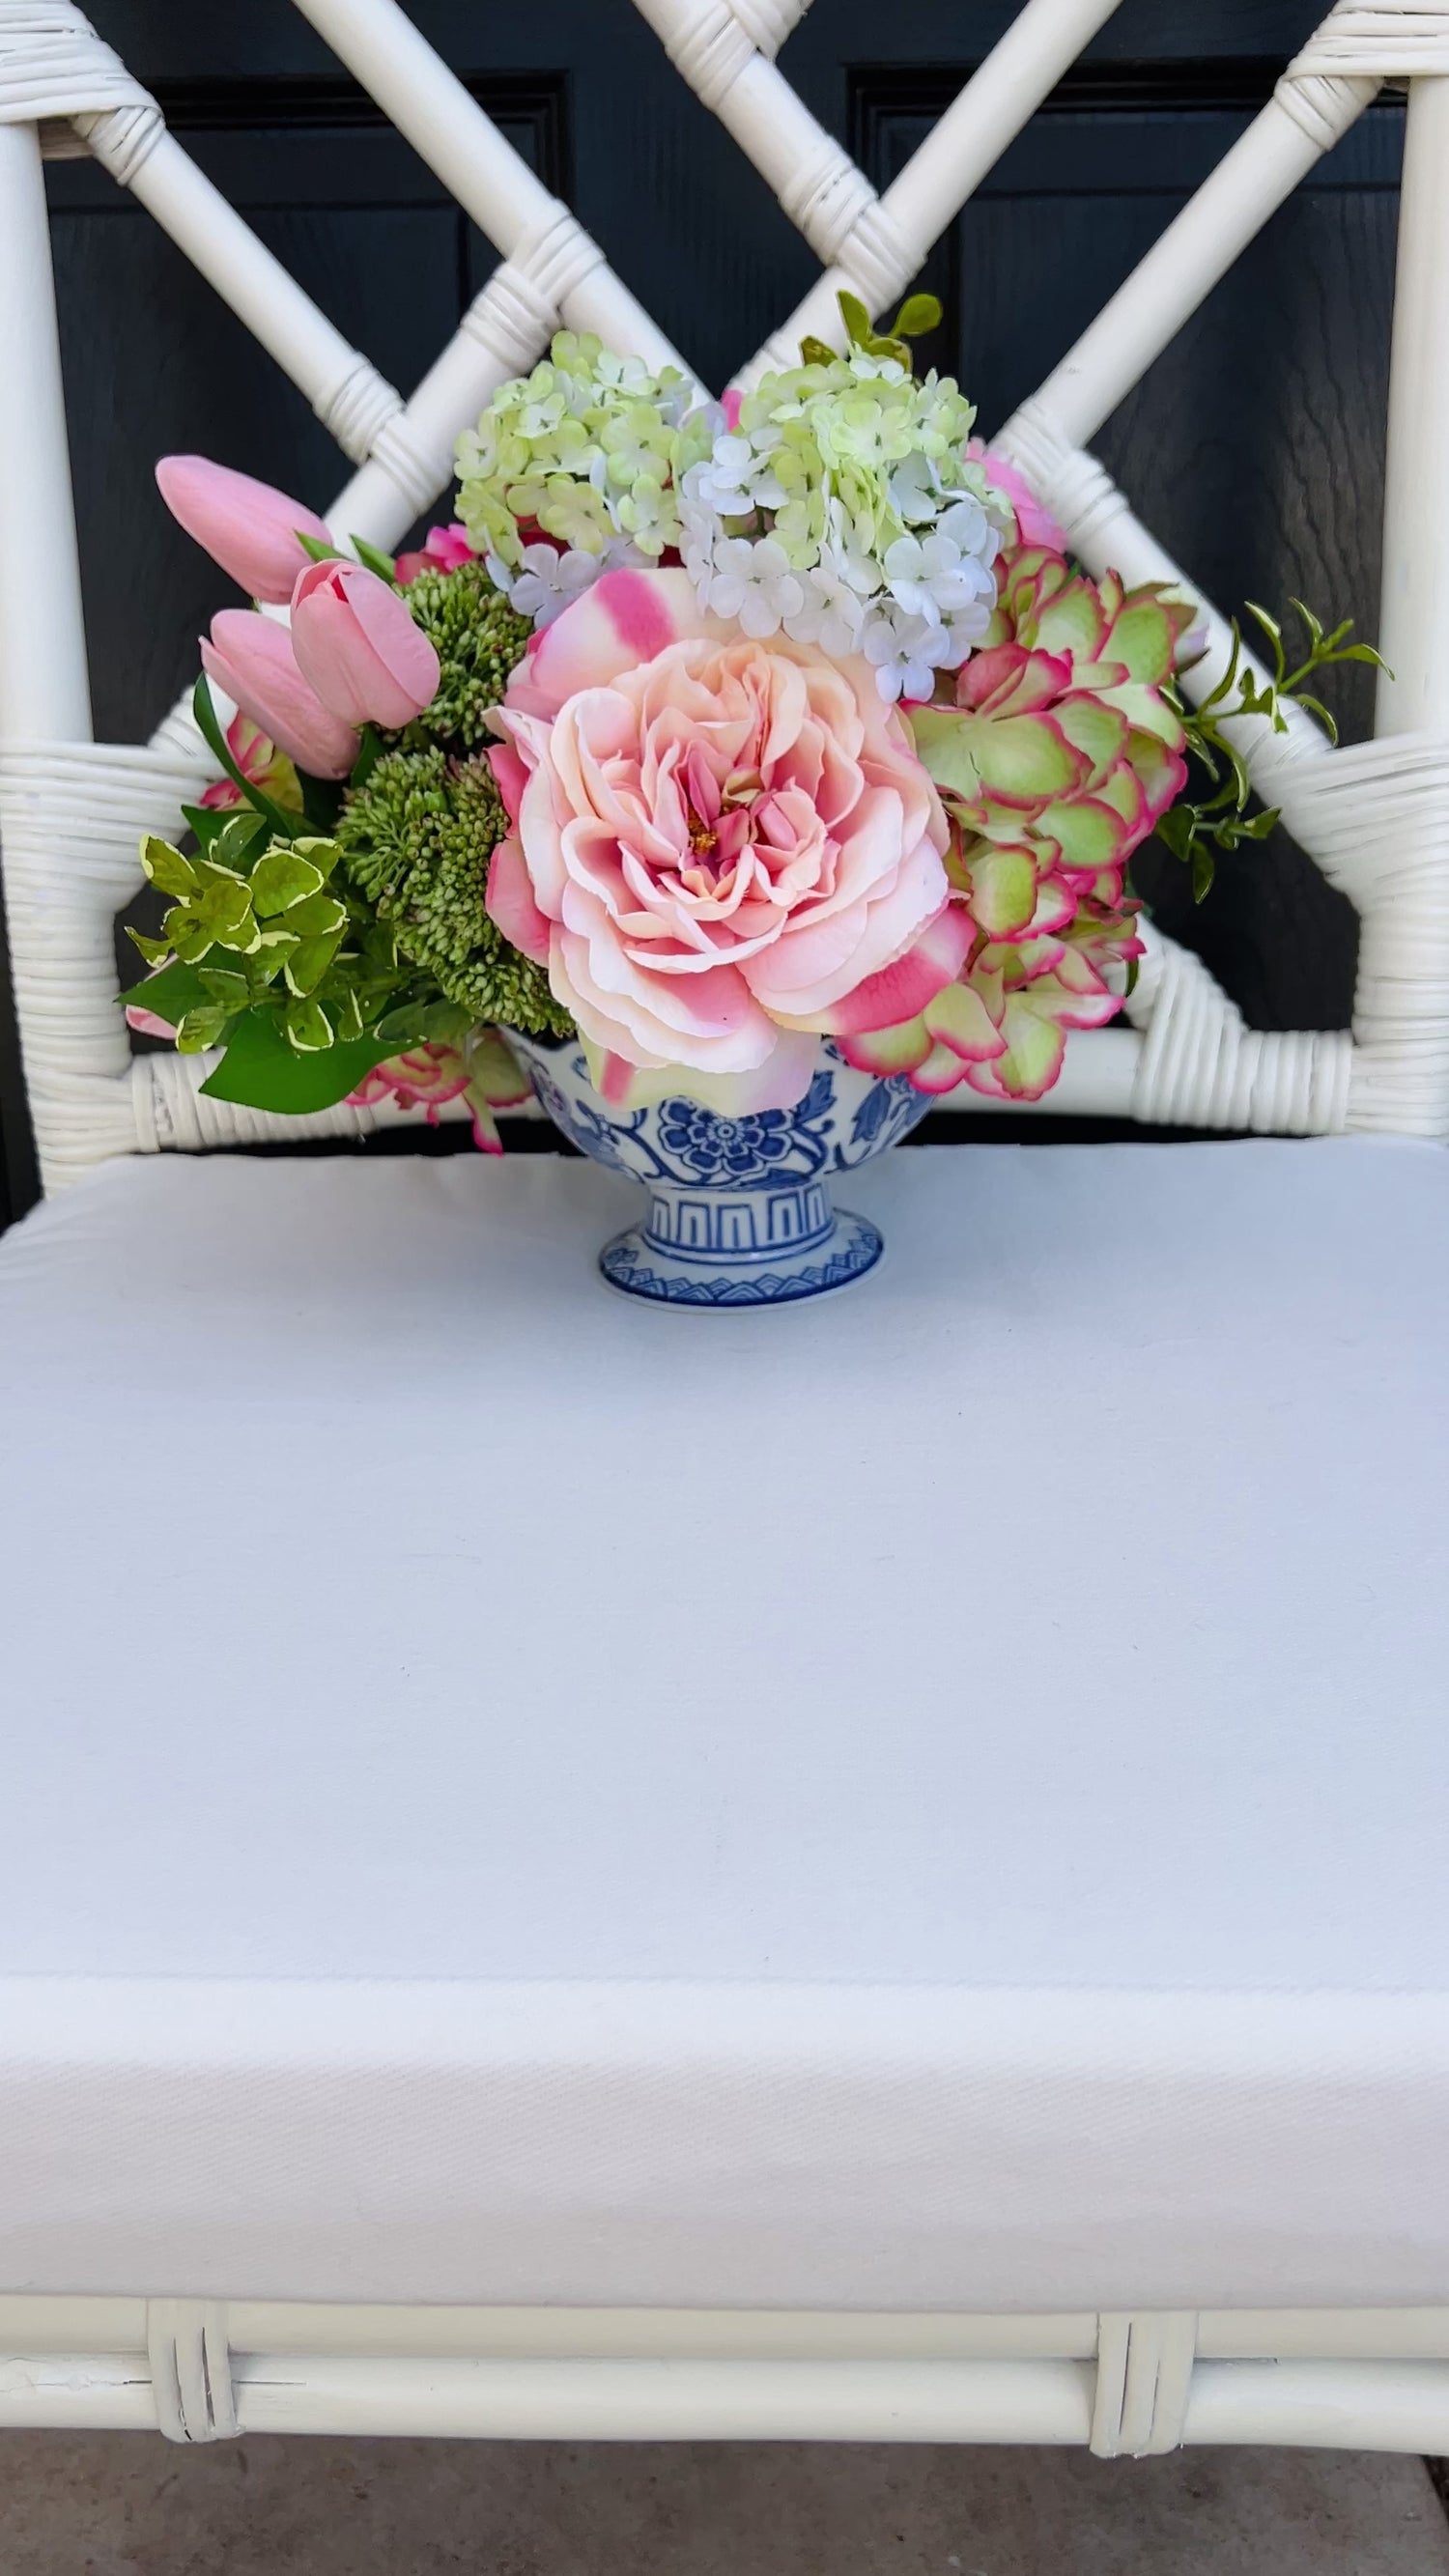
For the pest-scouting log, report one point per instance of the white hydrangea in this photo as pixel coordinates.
(753, 582)
(550, 581)
(904, 649)
(840, 504)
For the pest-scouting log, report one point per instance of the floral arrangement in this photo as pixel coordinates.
(708, 732)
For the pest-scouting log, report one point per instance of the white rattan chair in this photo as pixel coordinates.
(907, 1903)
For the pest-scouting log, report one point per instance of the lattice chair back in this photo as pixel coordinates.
(1374, 817)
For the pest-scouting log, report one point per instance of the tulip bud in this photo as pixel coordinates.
(249, 528)
(357, 644)
(251, 658)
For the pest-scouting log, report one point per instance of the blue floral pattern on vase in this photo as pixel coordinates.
(736, 1153)
(739, 1209)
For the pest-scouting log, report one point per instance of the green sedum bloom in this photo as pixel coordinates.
(416, 838)
(479, 641)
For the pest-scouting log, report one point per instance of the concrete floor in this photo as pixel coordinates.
(130, 2505)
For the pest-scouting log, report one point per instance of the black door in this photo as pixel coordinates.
(1253, 449)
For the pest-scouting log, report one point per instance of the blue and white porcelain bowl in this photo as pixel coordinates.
(739, 1209)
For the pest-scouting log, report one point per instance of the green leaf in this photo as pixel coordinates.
(405, 1027)
(308, 1028)
(224, 985)
(309, 962)
(368, 756)
(1256, 827)
(1316, 707)
(226, 911)
(208, 822)
(270, 954)
(813, 353)
(260, 1070)
(1177, 828)
(203, 1028)
(1363, 653)
(315, 547)
(204, 710)
(165, 868)
(385, 566)
(347, 1013)
(1315, 630)
(1274, 633)
(321, 802)
(217, 884)
(856, 319)
(321, 849)
(416, 1022)
(1218, 695)
(155, 951)
(318, 917)
(241, 939)
(918, 314)
(283, 877)
(243, 833)
(171, 994)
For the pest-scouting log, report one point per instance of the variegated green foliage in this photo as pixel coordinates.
(262, 953)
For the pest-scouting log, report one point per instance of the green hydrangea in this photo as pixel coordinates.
(590, 446)
(416, 839)
(479, 641)
(859, 430)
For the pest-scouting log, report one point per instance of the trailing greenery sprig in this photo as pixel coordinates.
(1196, 829)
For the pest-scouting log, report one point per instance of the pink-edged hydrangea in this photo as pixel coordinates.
(1056, 760)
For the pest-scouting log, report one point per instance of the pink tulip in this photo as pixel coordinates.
(358, 646)
(249, 528)
(251, 658)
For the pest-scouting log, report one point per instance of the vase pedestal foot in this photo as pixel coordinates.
(757, 1247)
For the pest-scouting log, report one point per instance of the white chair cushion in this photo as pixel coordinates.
(931, 1799)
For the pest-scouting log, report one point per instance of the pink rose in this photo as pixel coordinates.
(722, 847)
(1035, 525)
(358, 646)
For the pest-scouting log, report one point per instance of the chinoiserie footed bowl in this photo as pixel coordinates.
(739, 1209)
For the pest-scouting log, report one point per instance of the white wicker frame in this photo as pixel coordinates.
(1375, 818)
(201, 2370)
